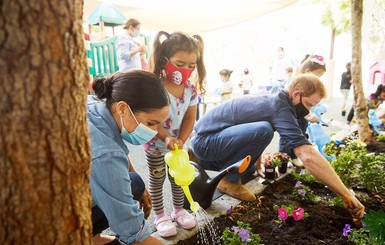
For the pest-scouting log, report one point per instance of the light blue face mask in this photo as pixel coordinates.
(141, 135)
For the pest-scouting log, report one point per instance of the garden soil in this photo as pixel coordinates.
(324, 225)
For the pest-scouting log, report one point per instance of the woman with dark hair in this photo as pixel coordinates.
(374, 100)
(128, 106)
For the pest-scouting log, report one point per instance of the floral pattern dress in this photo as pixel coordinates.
(179, 106)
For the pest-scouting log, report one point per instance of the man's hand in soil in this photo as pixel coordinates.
(354, 206)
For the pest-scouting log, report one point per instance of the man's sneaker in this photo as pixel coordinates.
(184, 219)
(297, 162)
(237, 190)
(165, 227)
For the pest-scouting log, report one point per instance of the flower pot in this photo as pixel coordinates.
(283, 168)
(269, 173)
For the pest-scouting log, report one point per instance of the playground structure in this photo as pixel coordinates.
(100, 49)
(377, 73)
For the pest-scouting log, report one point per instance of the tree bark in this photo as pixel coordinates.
(360, 104)
(44, 145)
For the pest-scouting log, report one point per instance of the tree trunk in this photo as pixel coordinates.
(360, 104)
(44, 145)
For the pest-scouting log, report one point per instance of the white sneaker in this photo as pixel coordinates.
(297, 162)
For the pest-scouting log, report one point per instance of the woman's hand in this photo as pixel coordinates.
(145, 203)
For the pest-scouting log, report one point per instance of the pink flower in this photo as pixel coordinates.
(282, 213)
(297, 214)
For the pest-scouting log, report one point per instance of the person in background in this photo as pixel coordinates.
(246, 82)
(127, 107)
(128, 51)
(245, 126)
(175, 56)
(227, 85)
(289, 73)
(346, 83)
(374, 100)
(201, 94)
(280, 63)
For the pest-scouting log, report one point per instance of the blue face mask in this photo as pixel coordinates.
(141, 135)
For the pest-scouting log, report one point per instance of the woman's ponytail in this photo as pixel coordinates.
(103, 87)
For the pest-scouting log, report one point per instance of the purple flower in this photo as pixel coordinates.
(302, 172)
(298, 214)
(282, 213)
(346, 230)
(298, 184)
(234, 228)
(302, 192)
(244, 234)
(229, 210)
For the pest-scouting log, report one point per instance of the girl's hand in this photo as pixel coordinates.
(170, 141)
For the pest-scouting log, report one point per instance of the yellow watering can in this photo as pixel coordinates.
(182, 171)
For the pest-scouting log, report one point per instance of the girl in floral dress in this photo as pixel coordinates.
(175, 57)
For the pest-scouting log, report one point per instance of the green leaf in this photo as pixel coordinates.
(375, 225)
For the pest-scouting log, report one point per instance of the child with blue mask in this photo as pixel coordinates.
(128, 106)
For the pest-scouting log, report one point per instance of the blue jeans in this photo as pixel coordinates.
(219, 150)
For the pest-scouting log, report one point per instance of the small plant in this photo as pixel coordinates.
(284, 157)
(303, 193)
(347, 163)
(375, 225)
(372, 173)
(304, 176)
(337, 201)
(271, 162)
(332, 148)
(373, 231)
(240, 234)
(357, 236)
(288, 212)
(275, 160)
(381, 138)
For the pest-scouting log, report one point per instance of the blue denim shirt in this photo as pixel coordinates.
(110, 181)
(277, 109)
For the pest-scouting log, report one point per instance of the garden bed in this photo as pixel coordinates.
(326, 216)
(324, 225)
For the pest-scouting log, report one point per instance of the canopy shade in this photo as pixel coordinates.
(108, 14)
(191, 17)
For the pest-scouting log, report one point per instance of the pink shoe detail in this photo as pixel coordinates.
(184, 219)
(165, 227)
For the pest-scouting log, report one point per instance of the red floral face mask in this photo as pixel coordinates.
(176, 74)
